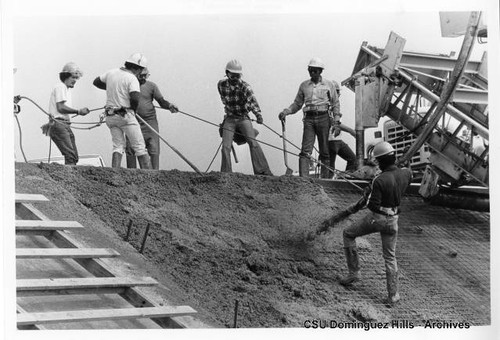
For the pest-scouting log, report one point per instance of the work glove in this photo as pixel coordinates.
(260, 120)
(83, 111)
(282, 115)
(173, 108)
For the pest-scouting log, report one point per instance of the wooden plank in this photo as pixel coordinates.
(34, 225)
(30, 198)
(98, 267)
(57, 253)
(102, 314)
(89, 285)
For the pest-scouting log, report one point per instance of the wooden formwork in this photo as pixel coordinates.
(97, 280)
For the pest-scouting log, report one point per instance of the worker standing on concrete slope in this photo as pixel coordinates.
(122, 98)
(60, 108)
(336, 146)
(146, 110)
(383, 202)
(238, 99)
(321, 110)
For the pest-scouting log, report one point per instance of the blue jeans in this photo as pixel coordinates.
(371, 223)
(244, 126)
(62, 135)
(315, 126)
(339, 147)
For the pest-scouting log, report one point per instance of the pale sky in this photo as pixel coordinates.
(187, 55)
(188, 44)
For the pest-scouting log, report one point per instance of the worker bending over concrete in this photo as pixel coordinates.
(383, 200)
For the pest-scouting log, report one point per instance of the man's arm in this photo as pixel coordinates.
(63, 108)
(165, 104)
(347, 129)
(134, 99)
(99, 83)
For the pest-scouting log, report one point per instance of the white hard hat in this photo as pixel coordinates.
(138, 59)
(73, 69)
(234, 66)
(316, 62)
(382, 148)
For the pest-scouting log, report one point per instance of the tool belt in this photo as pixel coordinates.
(316, 108)
(388, 211)
(111, 111)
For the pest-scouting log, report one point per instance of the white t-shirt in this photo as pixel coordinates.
(119, 83)
(60, 93)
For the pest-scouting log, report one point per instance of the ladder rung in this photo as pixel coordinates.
(30, 198)
(40, 225)
(57, 253)
(103, 314)
(91, 283)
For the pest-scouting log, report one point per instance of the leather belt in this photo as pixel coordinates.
(316, 113)
(388, 211)
(323, 107)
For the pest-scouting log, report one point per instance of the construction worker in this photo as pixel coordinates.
(321, 110)
(382, 198)
(146, 110)
(336, 146)
(238, 99)
(123, 93)
(60, 109)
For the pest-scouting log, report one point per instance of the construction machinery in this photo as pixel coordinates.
(435, 108)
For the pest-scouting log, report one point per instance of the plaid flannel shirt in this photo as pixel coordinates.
(239, 99)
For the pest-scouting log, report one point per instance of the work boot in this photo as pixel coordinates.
(155, 161)
(144, 161)
(303, 167)
(116, 160)
(131, 161)
(392, 287)
(352, 259)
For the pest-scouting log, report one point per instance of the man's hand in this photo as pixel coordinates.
(282, 115)
(336, 131)
(260, 120)
(173, 108)
(83, 111)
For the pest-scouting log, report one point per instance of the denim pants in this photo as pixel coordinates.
(316, 126)
(126, 126)
(370, 223)
(244, 126)
(62, 135)
(339, 147)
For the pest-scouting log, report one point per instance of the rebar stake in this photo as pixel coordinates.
(145, 237)
(236, 303)
(129, 228)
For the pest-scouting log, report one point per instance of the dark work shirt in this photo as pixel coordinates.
(388, 187)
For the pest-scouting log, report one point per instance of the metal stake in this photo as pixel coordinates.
(145, 237)
(235, 325)
(129, 228)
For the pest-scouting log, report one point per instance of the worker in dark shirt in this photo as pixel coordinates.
(383, 201)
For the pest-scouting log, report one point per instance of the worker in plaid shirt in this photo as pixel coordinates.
(238, 99)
